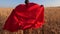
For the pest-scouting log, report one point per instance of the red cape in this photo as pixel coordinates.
(25, 17)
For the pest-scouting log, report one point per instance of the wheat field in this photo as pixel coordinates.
(51, 25)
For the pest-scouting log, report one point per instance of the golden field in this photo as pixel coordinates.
(51, 26)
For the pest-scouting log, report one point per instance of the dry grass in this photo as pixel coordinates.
(51, 26)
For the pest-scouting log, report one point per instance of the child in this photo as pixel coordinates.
(25, 16)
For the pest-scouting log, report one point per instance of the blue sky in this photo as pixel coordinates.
(14, 3)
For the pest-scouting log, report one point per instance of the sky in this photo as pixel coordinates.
(14, 3)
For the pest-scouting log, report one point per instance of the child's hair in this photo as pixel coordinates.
(26, 1)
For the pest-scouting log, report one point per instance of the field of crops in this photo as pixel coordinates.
(51, 26)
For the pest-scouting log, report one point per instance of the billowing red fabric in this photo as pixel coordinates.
(25, 17)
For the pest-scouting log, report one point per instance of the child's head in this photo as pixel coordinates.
(26, 1)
